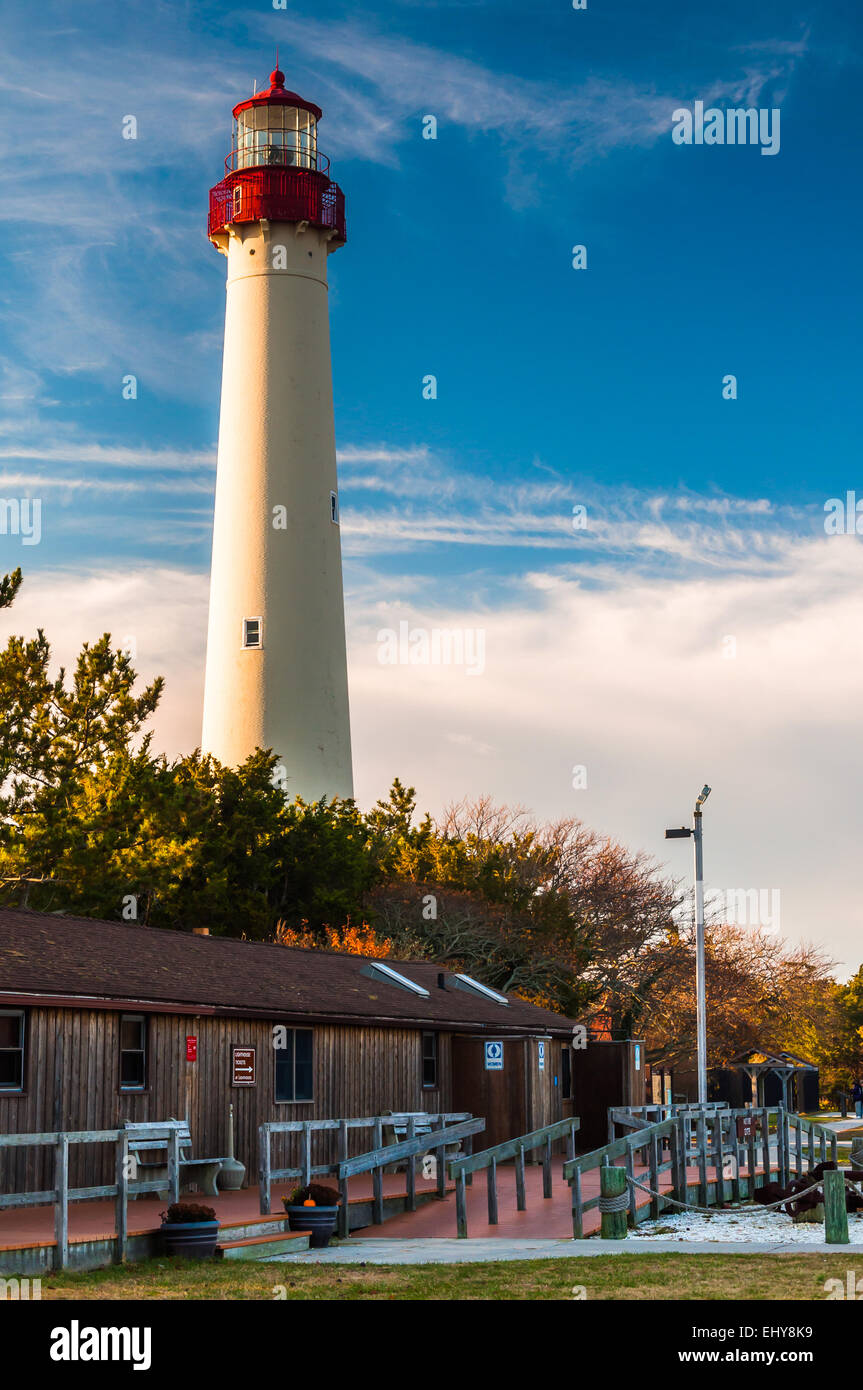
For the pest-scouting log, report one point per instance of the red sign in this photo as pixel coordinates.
(242, 1066)
(748, 1126)
(191, 1048)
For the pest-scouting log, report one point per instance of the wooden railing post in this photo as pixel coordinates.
(460, 1205)
(718, 1161)
(491, 1181)
(121, 1211)
(441, 1164)
(653, 1157)
(630, 1173)
(61, 1200)
(520, 1199)
(701, 1131)
(378, 1176)
(612, 1183)
(765, 1143)
(546, 1169)
(835, 1210)
(577, 1206)
(174, 1163)
(468, 1148)
(264, 1168)
(344, 1213)
(306, 1159)
(411, 1185)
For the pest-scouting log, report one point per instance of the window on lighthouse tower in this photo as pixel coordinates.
(253, 632)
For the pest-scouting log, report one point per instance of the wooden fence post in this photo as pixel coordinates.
(461, 1205)
(306, 1160)
(577, 1207)
(835, 1211)
(264, 1169)
(653, 1154)
(174, 1164)
(718, 1161)
(520, 1199)
(411, 1183)
(765, 1143)
(630, 1173)
(378, 1176)
(121, 1211)
(491, 1181)
(441, 1164)
(344, 1213)
(701, 1130)
(612, 1183)
(546, 1169)
(61, 1200)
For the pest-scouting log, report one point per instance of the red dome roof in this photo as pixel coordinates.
(277, 92)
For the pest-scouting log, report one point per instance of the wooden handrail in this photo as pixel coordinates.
(463, 1168)
(472, 1163)
(61, 1194)
(407, 1148)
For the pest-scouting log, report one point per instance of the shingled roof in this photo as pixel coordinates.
(77, 960)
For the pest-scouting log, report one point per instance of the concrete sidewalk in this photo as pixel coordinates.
(453, 1251)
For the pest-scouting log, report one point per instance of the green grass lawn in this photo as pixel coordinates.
(660, 1276)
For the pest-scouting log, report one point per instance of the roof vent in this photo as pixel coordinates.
(376, 970)
(441, 980)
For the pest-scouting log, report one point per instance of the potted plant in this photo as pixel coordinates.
(313, 1208)
(189, 1229)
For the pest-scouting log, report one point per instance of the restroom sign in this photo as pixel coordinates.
(494, 1056)
(542, 1054)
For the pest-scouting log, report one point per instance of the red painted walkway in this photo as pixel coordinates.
(549, 1218)
(546, 1217)
(92, 1220)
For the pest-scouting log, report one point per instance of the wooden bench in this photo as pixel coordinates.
(199, 1172)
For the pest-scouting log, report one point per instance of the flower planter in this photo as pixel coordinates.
(320, 1221)
(195, 1239)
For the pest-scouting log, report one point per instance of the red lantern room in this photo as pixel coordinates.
(274, 171)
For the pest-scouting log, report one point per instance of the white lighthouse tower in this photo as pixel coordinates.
(276, 666)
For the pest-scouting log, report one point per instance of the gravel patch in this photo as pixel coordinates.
(743, 1224)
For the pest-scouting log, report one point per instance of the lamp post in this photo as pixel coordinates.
(700, 990)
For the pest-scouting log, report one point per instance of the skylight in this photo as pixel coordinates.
(469, 983)
(378, 971)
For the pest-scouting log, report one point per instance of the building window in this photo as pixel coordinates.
(565, 1073)
(253, 632)
(133, 1052)
(294, 1066)
(334, 507)
(429, 1061)
(238, 199)
(11, 1049)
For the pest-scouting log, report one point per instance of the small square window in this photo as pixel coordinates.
(334, 507)
(253, 630)
(238, 199)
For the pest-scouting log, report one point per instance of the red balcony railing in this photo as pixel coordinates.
(280, 195)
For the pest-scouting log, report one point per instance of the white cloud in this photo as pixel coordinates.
(627, 677)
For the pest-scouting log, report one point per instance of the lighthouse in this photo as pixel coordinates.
(276, 674)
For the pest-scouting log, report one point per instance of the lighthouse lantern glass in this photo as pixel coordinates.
(275, 134)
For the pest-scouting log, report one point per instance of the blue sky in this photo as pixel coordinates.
(555, 387)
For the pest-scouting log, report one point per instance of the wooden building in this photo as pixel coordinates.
(101, 1022)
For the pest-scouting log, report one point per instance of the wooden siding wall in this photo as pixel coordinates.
(72, 1082)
